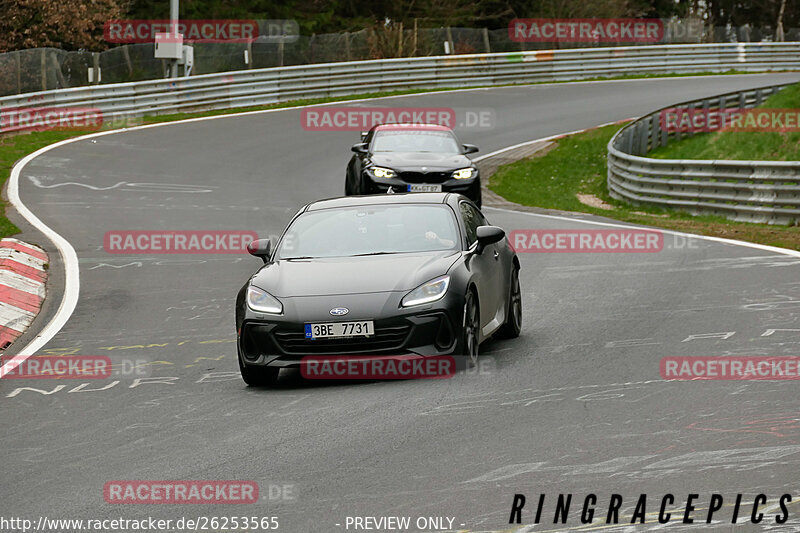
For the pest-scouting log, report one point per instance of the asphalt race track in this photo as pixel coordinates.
(575, 405)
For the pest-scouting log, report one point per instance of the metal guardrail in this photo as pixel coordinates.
(272, 85)
(751, 191)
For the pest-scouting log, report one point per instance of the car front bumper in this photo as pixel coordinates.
(279, 340)
(468, 187)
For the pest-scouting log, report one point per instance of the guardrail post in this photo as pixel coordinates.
(656, 132)
(44, 68)
(96, 68)
(451, 45)
(644, 136)
(19, 71)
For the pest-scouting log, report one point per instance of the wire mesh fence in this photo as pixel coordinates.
(41, 69)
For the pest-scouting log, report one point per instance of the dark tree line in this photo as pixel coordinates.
(77, 24)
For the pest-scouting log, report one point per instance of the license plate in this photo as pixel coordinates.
(424, 187)
(332, 330)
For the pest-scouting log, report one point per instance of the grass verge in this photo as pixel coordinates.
(742, 145)
(577, 164)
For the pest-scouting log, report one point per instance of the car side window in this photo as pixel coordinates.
(472, 219)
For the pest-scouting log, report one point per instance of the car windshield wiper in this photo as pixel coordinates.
(298, 257)
(375, 253)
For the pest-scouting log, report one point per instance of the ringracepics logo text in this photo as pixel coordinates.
(177, 242)
(648, 509)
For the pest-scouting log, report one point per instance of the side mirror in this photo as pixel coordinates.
(488, 235)
(260, 248)
(470, 149)
(360, 148)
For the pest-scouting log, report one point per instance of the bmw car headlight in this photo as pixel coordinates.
(464, 173)
(262, 301)
(381, 172)
(428, 292)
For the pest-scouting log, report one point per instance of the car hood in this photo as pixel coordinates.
(412, 161)
(352, 275)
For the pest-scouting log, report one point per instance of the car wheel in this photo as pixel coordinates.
(470, 328)
(513, 324)
(258, 377)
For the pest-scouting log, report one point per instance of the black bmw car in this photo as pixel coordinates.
(401, 274)
(412, 158)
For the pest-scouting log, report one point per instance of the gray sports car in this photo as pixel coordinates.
(422, 274)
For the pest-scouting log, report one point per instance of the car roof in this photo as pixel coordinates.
(411, 126)
(382, 199)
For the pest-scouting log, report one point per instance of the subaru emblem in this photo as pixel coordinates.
(339, 311)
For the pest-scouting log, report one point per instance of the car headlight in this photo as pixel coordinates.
(464, 173)
(262, 301)
(380, 172)
(428, 292)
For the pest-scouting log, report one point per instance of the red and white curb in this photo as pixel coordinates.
(22, 287)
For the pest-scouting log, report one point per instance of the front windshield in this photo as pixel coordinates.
(415, 141)
(367, 230)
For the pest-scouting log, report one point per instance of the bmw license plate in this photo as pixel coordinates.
(424, 187)
(332, 330)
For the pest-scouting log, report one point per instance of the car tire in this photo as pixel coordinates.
(347, 190)
(512, 327)
(258, 377)
(470, 329)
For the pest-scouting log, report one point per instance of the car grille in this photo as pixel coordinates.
(424, 177)
(385, 339)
